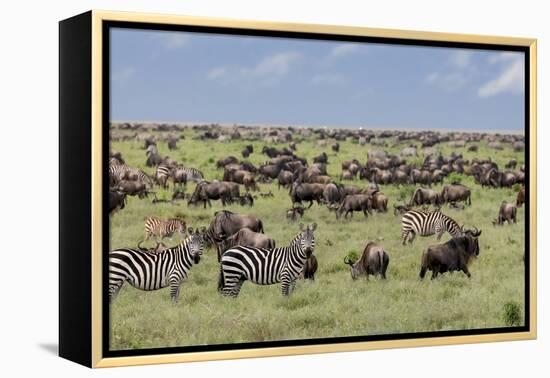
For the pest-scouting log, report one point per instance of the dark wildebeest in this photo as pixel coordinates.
(117, 201)
(284, 179)
(227, 160)
(245, 200)
(346, 175)
(172, 143)
(245, 237)
(355, 202)
(245, 153)
(336, 147)
(423, 196)
(456, 192)
(506, 213)
(374, 261)
(454, 255)
(310, 268)
(331, 194)
(206, 191)
(323, 158)
(520, 198)
(227, 223)
(292, 215)
(306, 192)
(400, 209)
(511, 164)
(132, 188)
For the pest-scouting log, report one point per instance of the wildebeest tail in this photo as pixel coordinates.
(220, 279)
(261, 226)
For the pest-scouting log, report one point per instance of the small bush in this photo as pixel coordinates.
(405, 193)
(454, 177)
(512, 314)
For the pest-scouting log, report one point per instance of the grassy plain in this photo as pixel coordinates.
(333, 305)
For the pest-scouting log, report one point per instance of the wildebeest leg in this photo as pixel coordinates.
(422, 273)
(310, 203)
(435, 271)
(464, 268)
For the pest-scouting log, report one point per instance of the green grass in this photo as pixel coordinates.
(333, 305)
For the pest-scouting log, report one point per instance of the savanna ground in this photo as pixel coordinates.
(333, 305)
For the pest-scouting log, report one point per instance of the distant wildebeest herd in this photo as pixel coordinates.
(246, 253)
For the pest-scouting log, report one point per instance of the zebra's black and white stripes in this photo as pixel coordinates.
(152, 271)
(415, 222)
(161, 228)
(266, 266)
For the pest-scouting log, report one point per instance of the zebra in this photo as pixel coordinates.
(192, 174)
(162, 175)
(161, 228)
(428, 223)
(117, 172)
(148, 271)
(266, 266)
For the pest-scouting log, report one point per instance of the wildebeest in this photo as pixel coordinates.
(520, 198)
(206, 191)
(226, 160)
(506, 213)
(292, 215)
(355, 202)
(310, 268)
(306, 192)
(423, 196)
(244, 237)
(322, 158)
(512, 163)
(454, 255)
(117, 201)
(227, 223)
(400, 209)
(336, 147)
(456, 192)
(331, 194)
(374, 261)
(379, 202)
(132, 188)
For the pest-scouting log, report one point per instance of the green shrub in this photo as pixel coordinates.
(454, 177)
(512, 314)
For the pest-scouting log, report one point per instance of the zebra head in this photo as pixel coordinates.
(195, 243)
(306, 238)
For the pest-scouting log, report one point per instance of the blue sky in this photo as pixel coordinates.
(192, 77)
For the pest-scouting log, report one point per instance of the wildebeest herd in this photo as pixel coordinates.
(246, 253)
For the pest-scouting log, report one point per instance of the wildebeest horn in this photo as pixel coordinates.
(476, 232)
(348, 261)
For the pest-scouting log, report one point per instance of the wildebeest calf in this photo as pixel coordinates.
(245, 237)
(506, 213)
(292, 215)
(454, 255)
(374, 261)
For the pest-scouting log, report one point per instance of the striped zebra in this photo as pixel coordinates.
(192, 174)
(266, 266)
(426, 224)
(117, 172)
(152, 271)
(162, 175)
(162, 228)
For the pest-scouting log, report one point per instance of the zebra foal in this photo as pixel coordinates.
(266, 266)
(162, 228)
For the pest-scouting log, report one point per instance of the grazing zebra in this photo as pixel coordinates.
(266, 266)
(162, 228)
(192, 174)
(162, 175)
(152, 271)
(118, 172)
(427, 223)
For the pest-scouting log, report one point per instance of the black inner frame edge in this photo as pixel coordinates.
(107, 25)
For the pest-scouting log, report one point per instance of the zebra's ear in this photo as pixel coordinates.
(203, 230)
(190, 230)
(313, 226)
(301, 227)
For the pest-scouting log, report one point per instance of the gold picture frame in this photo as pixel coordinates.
(91, 26)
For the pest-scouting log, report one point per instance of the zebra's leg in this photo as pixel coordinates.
(292, 286)
(411, 237)
(114, 288)
(404, 237)
(175, 284)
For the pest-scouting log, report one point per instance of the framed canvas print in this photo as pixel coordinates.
(234, 189)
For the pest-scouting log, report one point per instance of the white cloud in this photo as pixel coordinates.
(510, 80)
(328, 79)
(217, 73)
(504, 57)
(273, 65)
(461, 58)
(343, 49)
(172, 40)
(123, 74)
(450, 82)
